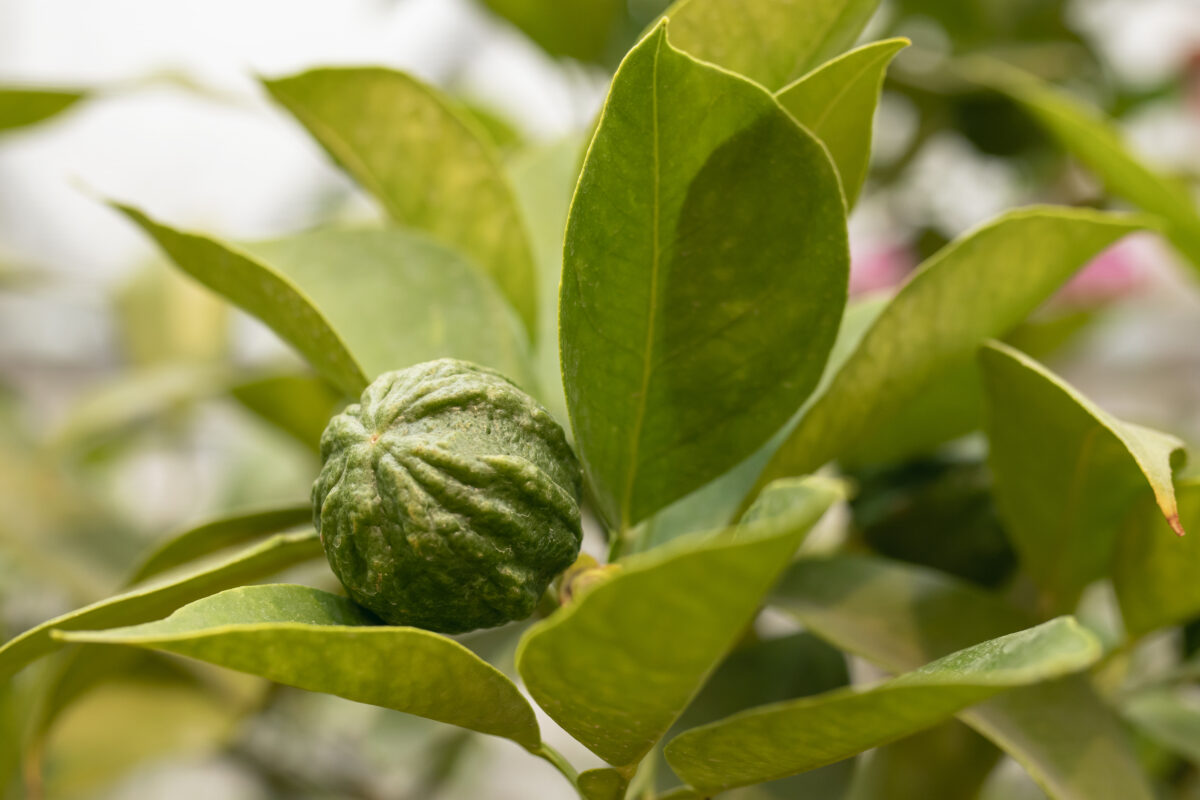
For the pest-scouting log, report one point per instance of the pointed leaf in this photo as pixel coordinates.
(976, 288)
(424, 161)
(1065, 473)
(1154, 571)
(837, 103)
(617, 666)
(20, 107)
(768, 41)
(217, 534)
(774, 741)
(153, 600)
(356, 303)
(1096, 141)
(900, 616)
(703, 279)
(324, 643)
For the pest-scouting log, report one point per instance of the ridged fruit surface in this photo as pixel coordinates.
(448, 498)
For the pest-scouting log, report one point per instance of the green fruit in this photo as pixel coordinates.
(448, 498)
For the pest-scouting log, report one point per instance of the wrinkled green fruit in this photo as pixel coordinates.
(448, 498)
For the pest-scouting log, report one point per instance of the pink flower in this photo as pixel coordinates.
(1121, 269)
(874, 267)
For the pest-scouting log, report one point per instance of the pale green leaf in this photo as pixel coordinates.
(1154, 571)
(1096, 141)
(296, 403)
(703, 279)
(617, 666)
(1065, 473)
(769, 41)
(837, 103)
(357, 303)
(976, 288)
(324, 643)
(217, 534)
(425, 161)
(581, 29)
(20, 106)
(900, 616)
(1169, 716)
(782, 739)
(157, 598)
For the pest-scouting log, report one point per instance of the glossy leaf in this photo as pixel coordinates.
(357, 303)
(425, 161)
(901, 616)
(580, 29)
(1097, 142)
(298, 404)
(1153, 570)
(1065, 473)
(976, 288)
(152, 600)
(768, 41)
(703, 281)
(615, 667)
(837, 103)
(324, 643)
(20, 107)
(774, 741)
(217, 534)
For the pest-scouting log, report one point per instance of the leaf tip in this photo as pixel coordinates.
(1176, 525)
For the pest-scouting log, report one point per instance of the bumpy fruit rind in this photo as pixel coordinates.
(448, 498)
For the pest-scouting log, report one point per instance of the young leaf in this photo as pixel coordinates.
(1154, 570)
(20, 107)
(768, 41)
(703, 279)
(837, 100)
(324, 643)
(901, 616)
(356, 303)
(976, 288)
(579, 29)
(774, 741)
(155, 599)
(1065, 473)
(299, 404)
(424, 161)
(214, 535)
(1095, 141)
(616, 666)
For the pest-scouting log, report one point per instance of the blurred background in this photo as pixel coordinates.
(121, 418)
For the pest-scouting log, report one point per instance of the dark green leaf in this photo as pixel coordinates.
(161, 597)
(977, 288)
(1065, 473)
(702, 280)
(20, 107)
(768, 41)
(426, 162)
(324, 643)
(837, 103)
(901, 616)
(785, 738)
(617, 666)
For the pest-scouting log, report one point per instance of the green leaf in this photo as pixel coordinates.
(1170, 716)
(1096, 141)
(324, 643)
(837, 103)
(357, 303)
(976, 288)
(580, 29)
(948, 761)
(1153, 570)
(20, 107)
(782, 739)
(426, 162)
(162, 597)
(298, 404)
(768, 41)
(615, 667)
(1065, 473)
(703, 281)
(602, 784)
(217, 534)
(901, 616)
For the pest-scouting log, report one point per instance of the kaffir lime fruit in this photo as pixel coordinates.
(448, 498)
